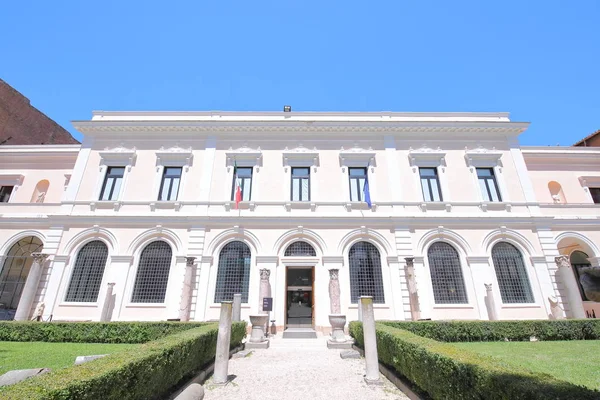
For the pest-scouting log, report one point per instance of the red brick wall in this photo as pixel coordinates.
(21, 123)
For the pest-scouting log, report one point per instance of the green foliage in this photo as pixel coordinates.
(90, 332)
(148, 371)
(447, 372)
(489, 331)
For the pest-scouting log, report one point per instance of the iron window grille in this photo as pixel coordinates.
(233, 275)
(112, 183)
(511, 274)
(5, 192)
(595, 192)
(579, 260)
(169, 186)
(13, 275)
(88, 272)
(446, 274)
(357, 179)
(365, 272)
(300, 249)
(488, 184)
(244, 177)
(300, 184)
(430, 184)
(152, 274)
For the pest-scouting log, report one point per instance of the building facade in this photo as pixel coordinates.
(163, 215)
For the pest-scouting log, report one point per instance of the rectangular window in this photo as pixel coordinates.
(112, 183)
(488, 184)
(242, 176)
(595, 192)
(358, 177)
(301, 184)
(5, 192)
(169, 187)
(430, 184)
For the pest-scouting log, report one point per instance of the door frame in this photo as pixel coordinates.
(312, 274)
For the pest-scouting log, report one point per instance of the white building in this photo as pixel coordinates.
(146, 190)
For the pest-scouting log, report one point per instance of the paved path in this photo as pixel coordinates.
(299, 369)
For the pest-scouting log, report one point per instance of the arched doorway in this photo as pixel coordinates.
(15, 268)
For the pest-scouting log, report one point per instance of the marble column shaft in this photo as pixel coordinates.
(490, 302)
(186, 293)
(370, 340)
(106, 315)
(415, 309)
(237, 307)
(220, 373)
(31, 286)
(571, 285)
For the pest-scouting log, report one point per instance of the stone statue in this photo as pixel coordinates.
(589, 277)
(39, 311)
(562, 262)
(334, 291)
(555, 309)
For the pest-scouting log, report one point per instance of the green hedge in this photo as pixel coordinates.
(90, 332)
(489, 331)
(446, 372)
(149, 371)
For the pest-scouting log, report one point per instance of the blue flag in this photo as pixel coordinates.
(366, 193)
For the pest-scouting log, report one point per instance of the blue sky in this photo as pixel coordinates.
(539, 60)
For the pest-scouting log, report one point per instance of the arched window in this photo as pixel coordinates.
(17, 263)
(152, 274)
(365, 272)
(446, 274)
(300, 249)
(511, 274)
(579, 260)
(88, 272)
(233, 275)
(556, 192)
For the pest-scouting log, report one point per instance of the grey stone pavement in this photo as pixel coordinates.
(299, 369)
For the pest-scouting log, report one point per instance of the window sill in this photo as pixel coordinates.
(447, 306)
(521, 305)
(435, 205)
(244, 205)
(167, 205)
(104, 204)
(77, 304)
(375, 307)
(359, 205)
(245, 306)
(145, 305)
(495, 205)
(301, 205)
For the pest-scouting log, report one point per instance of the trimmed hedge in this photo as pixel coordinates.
(149, 371)
(490, 331)
(91, 332)
(446, 372)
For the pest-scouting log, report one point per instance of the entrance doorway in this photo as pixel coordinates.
(300, 297)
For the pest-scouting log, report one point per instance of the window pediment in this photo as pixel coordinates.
(119, 155)
(357, 157)
(482, 157)
(426, 157)
(300, 157)
(589, 181)
(174, 156)
(244, 157)
(11, 179)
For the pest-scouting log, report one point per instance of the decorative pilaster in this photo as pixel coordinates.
(31, 286)
(186, 292)
(571, 286)
(415, 310)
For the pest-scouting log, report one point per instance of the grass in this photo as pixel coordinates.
(25, 355)
(576, 361)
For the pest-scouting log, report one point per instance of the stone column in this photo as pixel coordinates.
(490, 303)
(31, 286)
(186, 293)
(265, 288)
(334, 291)
(220, 374)
(106, 315)
(370, 340)
(237, 307)
(415, 310)
(572, 287)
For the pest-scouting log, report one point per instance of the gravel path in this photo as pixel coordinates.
(299, 369)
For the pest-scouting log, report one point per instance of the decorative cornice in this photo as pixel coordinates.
(357, 157)
(300, 156)
(426, 157)
(482, 157)
(244, 156)
(119, 154)
(175, 154)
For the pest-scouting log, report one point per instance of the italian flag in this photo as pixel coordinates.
(238, 188)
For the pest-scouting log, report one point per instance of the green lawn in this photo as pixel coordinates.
(576, 361)
(24, 355)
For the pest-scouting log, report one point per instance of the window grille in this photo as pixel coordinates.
(112, 183)
(357, 177)
(300, 184)
(488, 184)
(242, 176)
(430, 184)
(300, 249)
(169, 187)
(87, 272)
(5, 192)
(365, 272)
(511, 274)
(595, 192)
(152, 274)
(233, 275)
(446, 274)
(579, 260)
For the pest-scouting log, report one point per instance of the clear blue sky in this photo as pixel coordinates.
(539, 60)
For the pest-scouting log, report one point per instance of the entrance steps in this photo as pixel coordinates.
(299, 333)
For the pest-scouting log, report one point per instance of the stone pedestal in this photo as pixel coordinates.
(237, 307)
(186, 292)
(107, 308)
(257, 338)
(370, 341)
(490, 303)
(415, 309)
(572, 287)
(338, 339)
(220, 374)
(31, 286)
